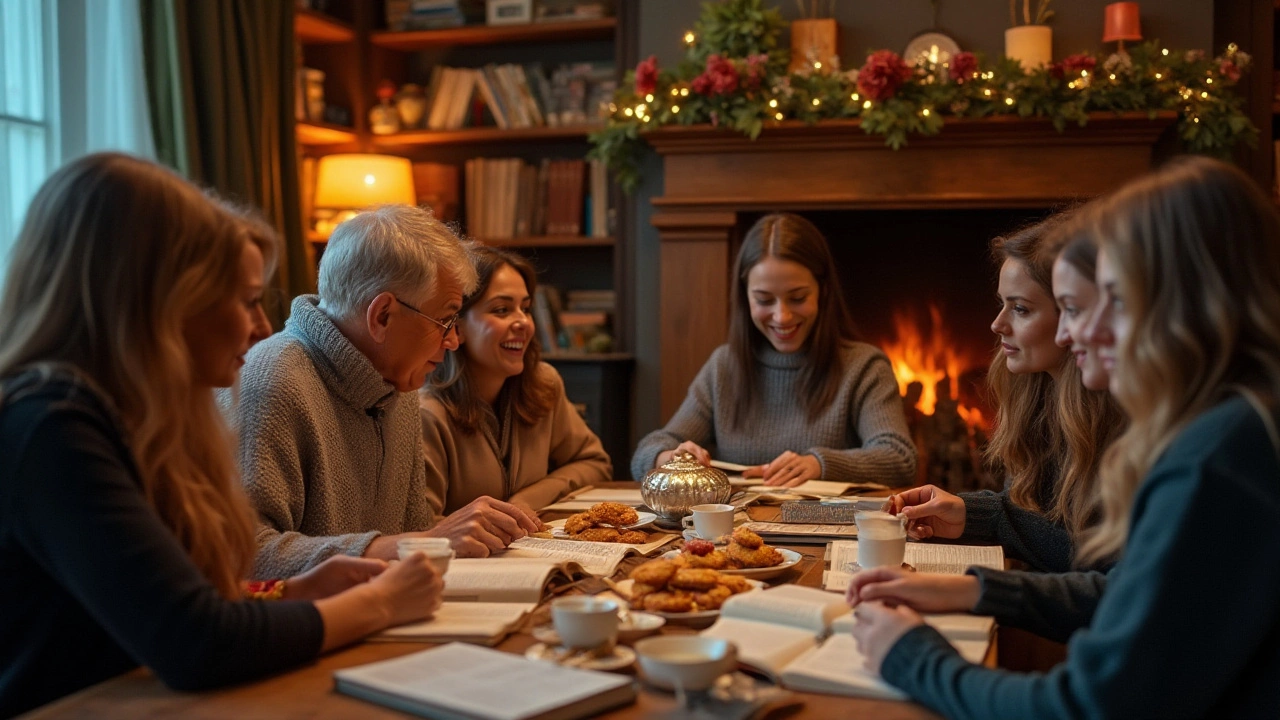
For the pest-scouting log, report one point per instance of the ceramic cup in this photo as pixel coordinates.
(710, 521)
(437, 550)
(585, 622)
(882, 539)
(685, 662)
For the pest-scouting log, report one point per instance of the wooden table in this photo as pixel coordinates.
(308, 691)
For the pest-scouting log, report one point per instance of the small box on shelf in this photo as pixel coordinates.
(508, 12)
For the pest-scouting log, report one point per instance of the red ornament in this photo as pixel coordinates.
(647, 75)
(884, 72)
(963, 67)
(719, 78)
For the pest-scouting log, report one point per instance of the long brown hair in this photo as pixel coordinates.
(786, 236)
(116, 253)
(531, 394)
(1196, 249)
(1028, 443)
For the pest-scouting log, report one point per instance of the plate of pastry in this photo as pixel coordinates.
(746, 554)
(681, 595)
(604, 522)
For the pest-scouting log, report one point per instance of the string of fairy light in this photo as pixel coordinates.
(645, 109)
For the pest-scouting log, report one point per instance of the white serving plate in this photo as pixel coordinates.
(790, 558)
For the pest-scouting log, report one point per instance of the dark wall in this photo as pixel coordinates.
(976, 25)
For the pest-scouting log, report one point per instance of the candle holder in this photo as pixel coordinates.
(1122, 23)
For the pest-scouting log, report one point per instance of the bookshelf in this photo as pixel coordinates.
(350, 42)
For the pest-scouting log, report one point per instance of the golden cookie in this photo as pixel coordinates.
(734, 583)
(612, 513)
(577, 523)
(654, 572)
(715, 560)
(669, 602)
(761, 557)
(694, 579)
(634, 537)
(713, 598)
(598, 534)
(639, 590)
(747, 538)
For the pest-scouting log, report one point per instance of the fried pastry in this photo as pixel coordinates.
(577, 523)
(734, 583)
(654, 572)
(694, 579)
(761, 557)
(716, 560)
(612, 513)
(746, 538)
(633, 537)
(671, 601)
(597, 534)
(713, 598)
(639, 590)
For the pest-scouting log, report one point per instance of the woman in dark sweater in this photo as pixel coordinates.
(123, 531)
(1187, 623)
(1054, 417)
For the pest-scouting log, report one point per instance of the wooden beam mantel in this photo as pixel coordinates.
(711, 175)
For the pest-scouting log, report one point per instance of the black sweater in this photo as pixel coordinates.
(94, 584)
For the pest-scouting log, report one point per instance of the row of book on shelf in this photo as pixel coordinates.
(574, 321)
(797, 636)
(519, 96)
(402, 15)
(508, 198)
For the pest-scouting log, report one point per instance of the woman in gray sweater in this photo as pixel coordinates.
(1187, 624)
(792, 394)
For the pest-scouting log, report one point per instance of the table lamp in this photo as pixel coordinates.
(1121, 24)
(350, 182)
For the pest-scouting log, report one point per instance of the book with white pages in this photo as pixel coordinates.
(484, 623)
(458, 681)
(926, 557)
(594, 558)
(506, 579)
(584, 499)
(801, 533)
(775, 626)
(816, 488)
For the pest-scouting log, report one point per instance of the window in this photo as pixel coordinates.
(28, 136)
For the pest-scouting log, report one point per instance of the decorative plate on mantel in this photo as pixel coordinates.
(933, 46)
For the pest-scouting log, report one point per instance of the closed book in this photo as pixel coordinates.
(458, 681)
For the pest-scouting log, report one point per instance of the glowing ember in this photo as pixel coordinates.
(916, 360)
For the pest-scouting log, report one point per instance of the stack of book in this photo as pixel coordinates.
(577, 321)
(518, 96)
(423, 14)
(509, 198)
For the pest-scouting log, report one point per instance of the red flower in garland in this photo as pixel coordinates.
(647, 75)
(1229, 70)
(719, 78)
(755, 70)
(963, 67)
(1073, 65)
(884, 72)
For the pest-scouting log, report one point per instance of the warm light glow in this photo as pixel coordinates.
(817, 65)
(816, 102)
(915, 359)
(1072, 84)
(1084, 73)
(773, 103)
(1113, 76)
(1008, 101)
(684, 92)
(987, 92)
(1204, 95)
(689, 37)
(866, 105)
(1164, 51)
(1208, 81)
(1195, 120)
(356, 181)
(674, 92)
(854, 97)
(675, 109)
(778, 116)
(1159, 76)
(642, 109)
(648, 98)
(925, 112)
(628, 112)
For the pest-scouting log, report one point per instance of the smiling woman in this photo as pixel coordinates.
(495, 418)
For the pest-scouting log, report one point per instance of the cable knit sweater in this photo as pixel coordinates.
(993, 519)
(862, 436)
(331, 453)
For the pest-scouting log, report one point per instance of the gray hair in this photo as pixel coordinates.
(397, 248)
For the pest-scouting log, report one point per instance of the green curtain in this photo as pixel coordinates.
(220, 77)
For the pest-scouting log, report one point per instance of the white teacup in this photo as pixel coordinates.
(710, 521)
(585, 622)
(437, 550)
(882, 539)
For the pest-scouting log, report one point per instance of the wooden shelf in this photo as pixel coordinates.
(567, 356)
(467, 136)
(537, 241)
(316, 28)
(601, 29)
(324, 134)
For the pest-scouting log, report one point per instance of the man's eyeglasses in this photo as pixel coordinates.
(445, 326)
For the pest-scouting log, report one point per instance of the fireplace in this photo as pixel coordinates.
(909, 228)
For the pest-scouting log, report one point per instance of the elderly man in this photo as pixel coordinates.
(330, 438)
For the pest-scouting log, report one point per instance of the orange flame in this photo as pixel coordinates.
(928, 362)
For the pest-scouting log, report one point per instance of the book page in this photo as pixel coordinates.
(836, 667)
(924, 557)
(728, 466)
(600, 559)
(498, 579)
(764, 646)
(599, 495)
(800, 607)
(460, 679)
(802, 532)
(955, 627)
(471, 620)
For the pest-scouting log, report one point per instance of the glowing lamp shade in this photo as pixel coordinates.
(354, 181)
(1121, 22)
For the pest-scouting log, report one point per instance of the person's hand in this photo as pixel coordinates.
(879, 627)
(932, 511)
(924, 592)
(485, 526)
(698, 452)
(410, 590)
(787, 470)
(332, 576)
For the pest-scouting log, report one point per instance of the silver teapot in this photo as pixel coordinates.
(673, 488)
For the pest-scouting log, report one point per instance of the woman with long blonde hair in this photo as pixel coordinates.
(1050, 429)
(124, 535)
(1187, 623)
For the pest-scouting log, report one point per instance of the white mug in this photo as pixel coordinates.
(437, 550)
(710, 521)
(882, 539)
(584, 622)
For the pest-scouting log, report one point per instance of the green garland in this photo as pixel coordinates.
(734, 76)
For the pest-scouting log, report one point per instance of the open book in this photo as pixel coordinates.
(458, 681)
(486, 623)
(594, 558)
(584, 499)
(924, 557)
(505, 579)
(801, 533)
(801, 637)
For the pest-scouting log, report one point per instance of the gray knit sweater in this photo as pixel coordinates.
(862, 436)
(331, 454)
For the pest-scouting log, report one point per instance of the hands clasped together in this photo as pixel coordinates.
(787, 470)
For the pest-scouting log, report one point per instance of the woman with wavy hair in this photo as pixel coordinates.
(124, 535)
(793, 394)
(1050, 429)
(1187, 623)
(495, 418)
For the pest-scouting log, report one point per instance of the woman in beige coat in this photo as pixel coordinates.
(495, 418)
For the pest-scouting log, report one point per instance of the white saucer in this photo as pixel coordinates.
(635, 626)
(691, 534)
(622, 657)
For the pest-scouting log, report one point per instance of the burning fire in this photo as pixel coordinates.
(914, 359)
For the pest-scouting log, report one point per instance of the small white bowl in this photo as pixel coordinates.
(691, 661)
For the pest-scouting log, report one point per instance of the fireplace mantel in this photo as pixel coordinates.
(711, 175)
